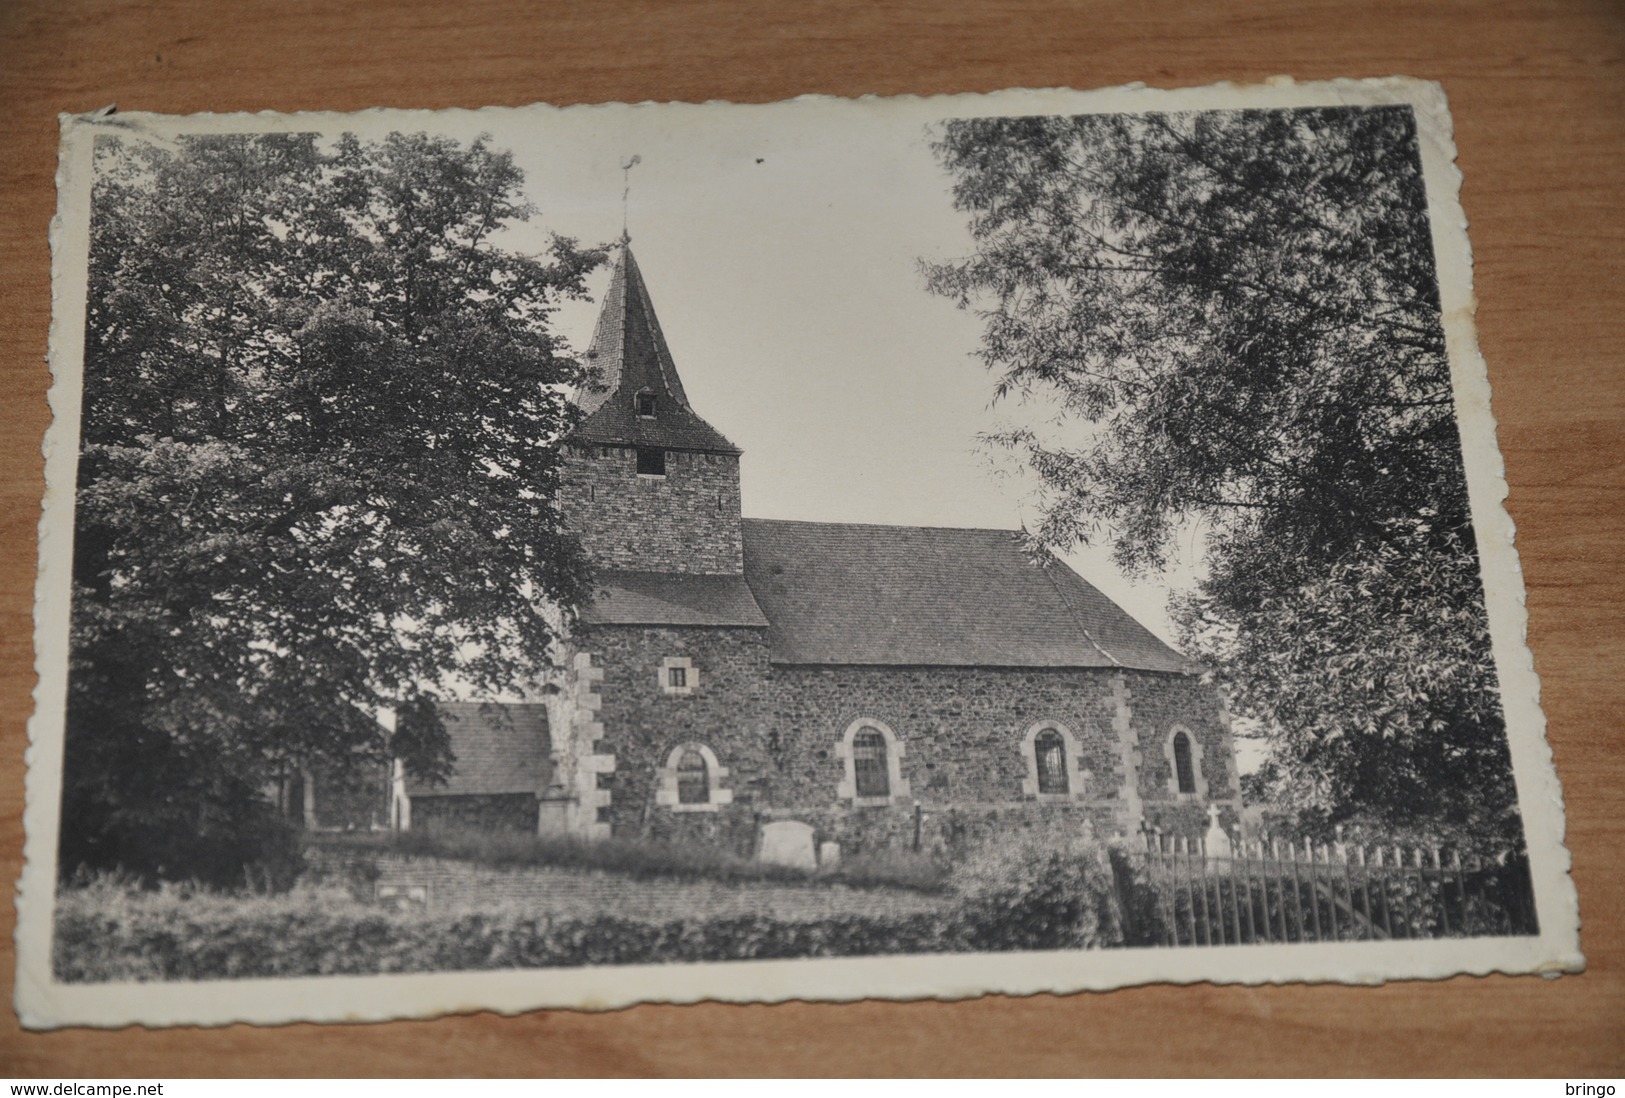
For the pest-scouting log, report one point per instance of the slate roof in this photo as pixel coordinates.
(630, 352)
(665, 598)
(500, 747)
(841, 593)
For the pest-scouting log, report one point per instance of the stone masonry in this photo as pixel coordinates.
(777, 730)
(684, 521)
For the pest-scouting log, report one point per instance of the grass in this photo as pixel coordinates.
(887, 869)
(1022, 894)
(113, 931)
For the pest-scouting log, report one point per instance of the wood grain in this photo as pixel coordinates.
(1538, 93)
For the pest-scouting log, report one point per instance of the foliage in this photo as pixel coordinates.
(638, 859)
(315, 480)
(1038, 889)
(1141, 903)
(109, 931)
(1238, 315)
(892, 868)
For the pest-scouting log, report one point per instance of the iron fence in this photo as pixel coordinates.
(1177, 892)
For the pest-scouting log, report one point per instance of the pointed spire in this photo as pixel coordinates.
(630, 353)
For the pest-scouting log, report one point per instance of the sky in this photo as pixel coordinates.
(782, 250)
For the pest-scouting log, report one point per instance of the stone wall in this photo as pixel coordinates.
(777, 732)
(1159, 704)
(643, 725)
(961, 729)
(514, 812)
(686, 521)
(962, 734)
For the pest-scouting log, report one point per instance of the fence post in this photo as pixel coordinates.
(1297, 888)
(1387, 896)
(1252, 923)
(1314, 889)
(1461, 889)
(1444, 900)
(1331, 887)
(1279, 873)
(1365, 889)
(1154, 876)
(1404, 900)
(1235, 893)
(1348, 890)
(1423, 892)
(1207, 911)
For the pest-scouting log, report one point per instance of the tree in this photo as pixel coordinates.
(316, 476)
(1237, 313)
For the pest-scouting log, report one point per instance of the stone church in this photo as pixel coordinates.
(894, 686)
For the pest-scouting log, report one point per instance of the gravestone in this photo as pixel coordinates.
(829, 856)
(404, 897)
(553, 813)
(788, 842)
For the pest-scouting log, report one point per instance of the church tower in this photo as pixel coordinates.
(647, 484)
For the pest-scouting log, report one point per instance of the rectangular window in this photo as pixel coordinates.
(678, 675)
(651, 461)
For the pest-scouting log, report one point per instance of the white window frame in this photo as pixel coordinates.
(1200, 793)
(897, 787)
(1077, 778)
(691, 676)
(666, 794)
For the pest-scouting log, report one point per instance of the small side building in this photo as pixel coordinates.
(501, 778)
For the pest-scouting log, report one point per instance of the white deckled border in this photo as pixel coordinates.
(43, 1003)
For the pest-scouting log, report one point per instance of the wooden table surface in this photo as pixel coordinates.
(1538, 93)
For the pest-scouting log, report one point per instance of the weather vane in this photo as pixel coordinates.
(626, 193)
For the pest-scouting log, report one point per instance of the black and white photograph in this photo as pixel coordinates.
(544, 557)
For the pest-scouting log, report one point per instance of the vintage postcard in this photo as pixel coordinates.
(568, 557)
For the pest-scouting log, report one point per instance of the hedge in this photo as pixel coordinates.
(1030, 892)
(173, 937)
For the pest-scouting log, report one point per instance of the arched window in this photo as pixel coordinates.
(693, 779)
(1183, 752)
(1050, 750)
(869, 764)
(1183, 770)
(872, 757)
(1052, 755)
